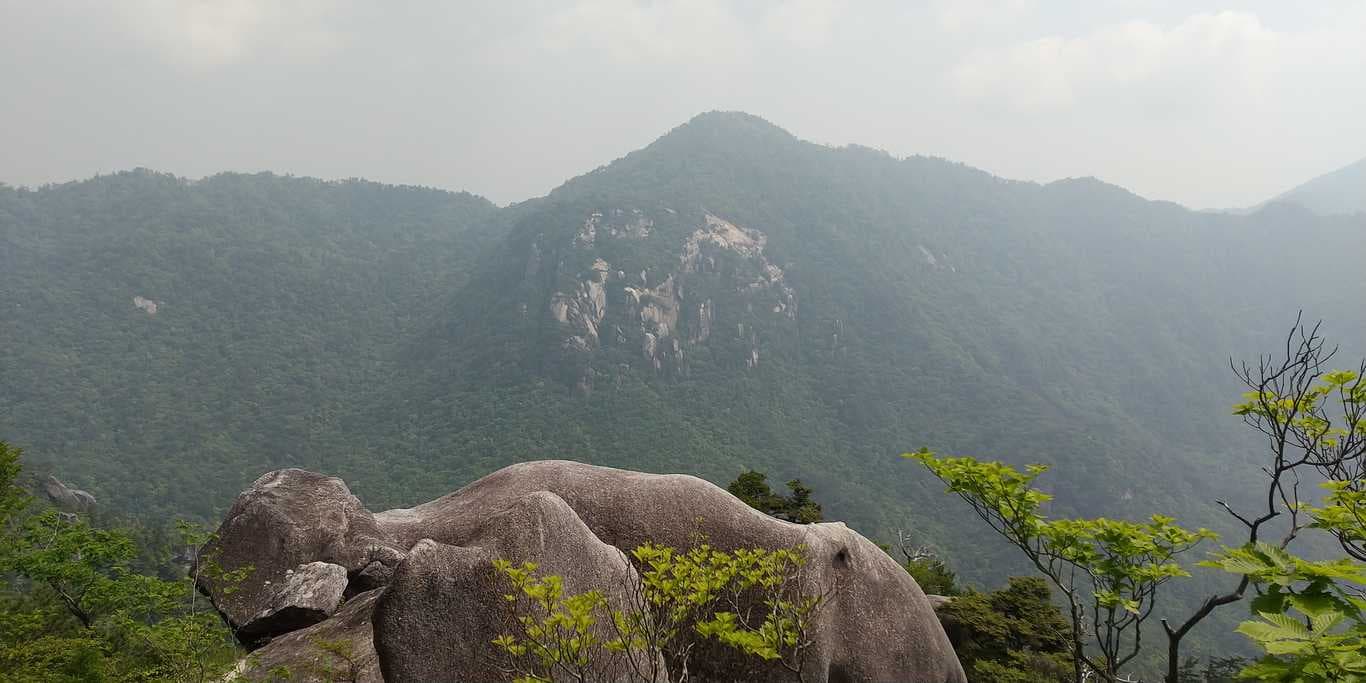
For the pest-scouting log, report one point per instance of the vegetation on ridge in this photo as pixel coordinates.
(76, 606)
(356, 328)
(750, 601)
(378, 333)
(1309, 616)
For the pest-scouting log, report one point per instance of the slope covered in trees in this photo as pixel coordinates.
(729, 297)
(162, 340)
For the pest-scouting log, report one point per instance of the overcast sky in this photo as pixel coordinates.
(1210, 106)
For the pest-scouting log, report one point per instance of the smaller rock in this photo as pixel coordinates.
(309, 594)
(146, 304)
(374, 575)
(338, 649)
(938, 602)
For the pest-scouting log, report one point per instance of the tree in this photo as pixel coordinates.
(929, 571)
(1108, 571)
(798, 506)
(1285, 404)
(1013, 635)
(933, 576)
(1309, 614)
(1217, 670)
(1223, 669)
(86, 568)
(1310, 619)
(750, 601)
(752, 488)
(74, 608)
(12, 498)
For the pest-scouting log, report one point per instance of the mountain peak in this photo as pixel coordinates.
(1339, 192)
(713, 139)
(732, 120)
(727, 127)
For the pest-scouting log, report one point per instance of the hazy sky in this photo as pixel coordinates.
(1210, 106)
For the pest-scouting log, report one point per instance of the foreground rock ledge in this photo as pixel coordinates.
(420, 602)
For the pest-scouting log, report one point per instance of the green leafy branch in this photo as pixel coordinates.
(1309, 615)
(749, 600)
(1107, 570)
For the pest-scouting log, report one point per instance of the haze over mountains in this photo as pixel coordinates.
(1341, 192)
(727, 297)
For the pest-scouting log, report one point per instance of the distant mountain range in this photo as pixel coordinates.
(1341, 192)
(728, 297)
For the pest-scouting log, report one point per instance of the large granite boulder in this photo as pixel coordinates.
(288, 518)
(877, 625)
(445, 604)
(441, 602)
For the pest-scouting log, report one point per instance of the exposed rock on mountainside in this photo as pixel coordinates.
(657, 283)
(67, 498)
(146, 304)
(443, 604)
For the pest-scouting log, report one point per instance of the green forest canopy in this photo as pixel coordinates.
(377, 332)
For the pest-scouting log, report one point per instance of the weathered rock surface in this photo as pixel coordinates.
(338, 649)
(286, 519)
(663, 310)
(443, 604)
(309, 594)
(871, 593)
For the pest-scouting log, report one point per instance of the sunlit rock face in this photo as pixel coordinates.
(653, 286)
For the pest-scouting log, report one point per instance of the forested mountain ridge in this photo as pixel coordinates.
(163, 339)
(728, 297)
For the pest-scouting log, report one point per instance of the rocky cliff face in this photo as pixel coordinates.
(629, 288)
(432, 614)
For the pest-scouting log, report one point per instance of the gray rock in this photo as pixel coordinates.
(375, 575)
(938, 602)
(85, 500)
(445, 604)
(309, 594)
(869, 592)
(67, 498)
(287, 518)
(302, 651)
